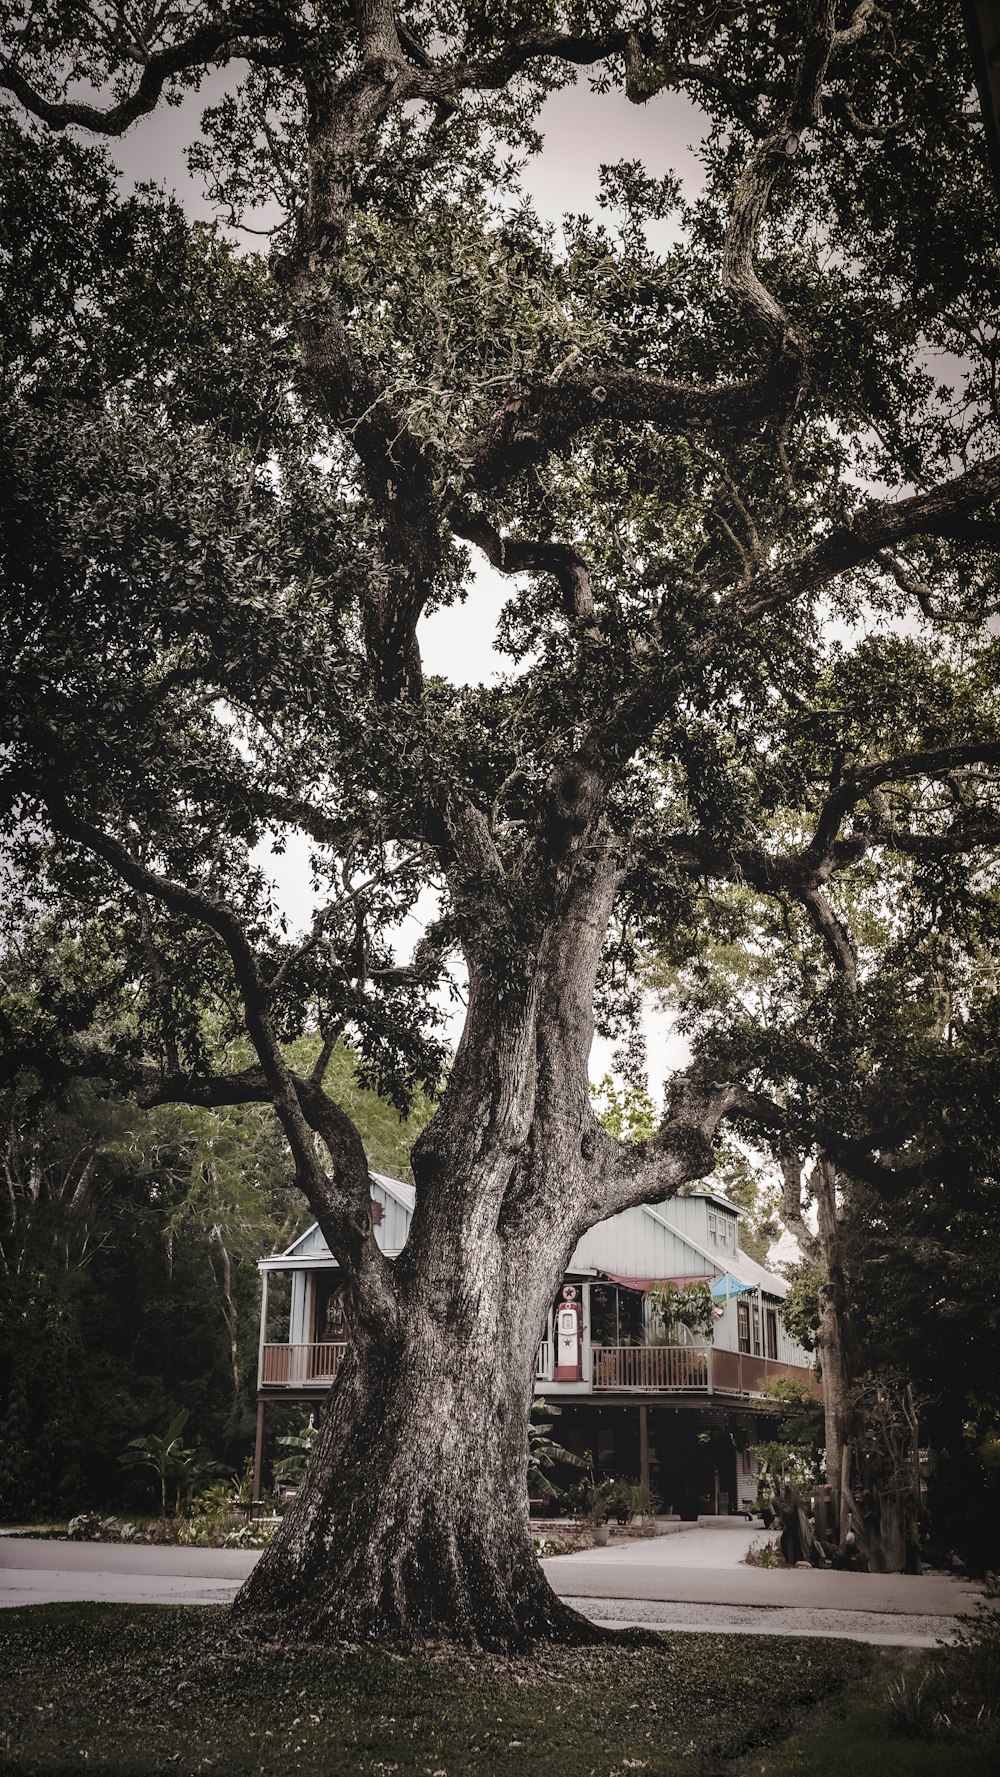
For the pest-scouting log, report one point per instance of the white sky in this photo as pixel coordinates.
(581, 130)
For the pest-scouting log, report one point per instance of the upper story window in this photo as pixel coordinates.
(719, 1228)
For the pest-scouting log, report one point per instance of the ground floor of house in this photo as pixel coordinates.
(694, 1456)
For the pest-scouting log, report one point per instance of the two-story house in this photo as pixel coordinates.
(682, 1413)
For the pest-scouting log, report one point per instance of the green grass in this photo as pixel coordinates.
(854, 1737)
(136, 1690)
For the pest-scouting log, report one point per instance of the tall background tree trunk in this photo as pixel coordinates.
(835, 1338)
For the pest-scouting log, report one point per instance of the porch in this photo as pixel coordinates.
(300, 1366)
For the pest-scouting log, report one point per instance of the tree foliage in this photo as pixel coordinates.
(743, 476)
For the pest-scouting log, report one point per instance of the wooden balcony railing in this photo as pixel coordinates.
(680, 1368)
(300, 1366)
(686, 1369)
(736, 1372)
(676, 1369)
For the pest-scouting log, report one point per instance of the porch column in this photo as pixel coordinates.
(644, 1446)
(258, 1453)
(263, 1328)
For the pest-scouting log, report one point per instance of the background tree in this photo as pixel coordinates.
(877, 1034)
(119, 1309)
(236, 490)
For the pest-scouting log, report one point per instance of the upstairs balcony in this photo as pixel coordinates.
(300, 1366)
(608, 1369)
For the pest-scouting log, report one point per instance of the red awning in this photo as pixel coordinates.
(642, 1284)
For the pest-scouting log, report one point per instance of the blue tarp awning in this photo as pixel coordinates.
(727, 1286)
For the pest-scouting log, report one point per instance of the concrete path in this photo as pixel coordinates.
(698, 1581)
(694, 1580)
(37, 1572)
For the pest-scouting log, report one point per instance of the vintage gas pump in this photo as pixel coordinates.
(569, 1336)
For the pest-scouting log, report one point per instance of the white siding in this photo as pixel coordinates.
(696, 1216)
(642, 1242)
(395, 1224)
(390, 1233)
(312, 1246)
(636, 1244)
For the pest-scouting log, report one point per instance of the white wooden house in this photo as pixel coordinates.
(684, 1417)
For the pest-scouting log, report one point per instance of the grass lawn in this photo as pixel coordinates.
(851, 1736)
(137, 1690)
(141, 1689)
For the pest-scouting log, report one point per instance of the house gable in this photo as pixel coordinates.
(393, 1207)
(640, 1243)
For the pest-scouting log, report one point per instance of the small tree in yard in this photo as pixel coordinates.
(751, 545)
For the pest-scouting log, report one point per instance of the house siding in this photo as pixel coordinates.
(634, 1244)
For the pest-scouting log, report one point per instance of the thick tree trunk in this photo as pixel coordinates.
(413, 1518)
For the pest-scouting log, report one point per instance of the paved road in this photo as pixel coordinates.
(698, 1580)
(37, 1572)
(693, 1580)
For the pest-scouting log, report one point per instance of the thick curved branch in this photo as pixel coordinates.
(755, 186)
(948, 510)
(682, 1148)
(512, 556)
(340, 1200)
(550, 414)
(835, 936)
(803, 873)
(212, 44)
(547, 416)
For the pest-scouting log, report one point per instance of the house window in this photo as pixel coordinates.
(743, 1326)
(771, 1331)
(713, 1227)
(756, 1329)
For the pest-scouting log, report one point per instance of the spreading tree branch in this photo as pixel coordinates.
(339, 1200)
(212, 44)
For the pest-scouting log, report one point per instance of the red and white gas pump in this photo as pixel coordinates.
(569, 1336)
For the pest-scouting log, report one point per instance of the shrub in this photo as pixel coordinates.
(764, 1555)
(914, 1704)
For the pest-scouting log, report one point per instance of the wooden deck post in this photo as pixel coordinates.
(258, 1453)
(263, 1328)
(644, 1446)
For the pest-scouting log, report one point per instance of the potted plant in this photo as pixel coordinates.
(600, 1525)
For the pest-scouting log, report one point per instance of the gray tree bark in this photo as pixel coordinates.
(835, 1336)
(413, 1517)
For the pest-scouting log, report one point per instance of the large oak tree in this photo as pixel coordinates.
(742, 473)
